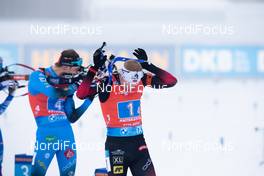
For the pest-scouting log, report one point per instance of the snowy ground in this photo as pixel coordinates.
(198, 128)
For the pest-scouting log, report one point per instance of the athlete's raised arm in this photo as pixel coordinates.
(159, 77)
(85, 90)
(38, 84)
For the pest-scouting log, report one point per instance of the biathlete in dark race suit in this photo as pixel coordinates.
(125, 146)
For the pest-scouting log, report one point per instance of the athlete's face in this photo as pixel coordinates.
(130, 77)
(70, 70)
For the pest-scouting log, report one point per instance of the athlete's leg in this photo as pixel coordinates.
(142, 165)
(67, 155)
(44, 152)
(67, 162)
(116, 161)
(1, 152)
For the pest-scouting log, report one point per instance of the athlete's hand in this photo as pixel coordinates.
(99, 58)
(12, 88)
(141, 55)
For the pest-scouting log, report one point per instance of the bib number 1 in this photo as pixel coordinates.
(129, 109)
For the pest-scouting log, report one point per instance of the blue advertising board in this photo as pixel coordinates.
(221, 61)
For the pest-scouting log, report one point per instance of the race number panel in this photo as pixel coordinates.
(55, 104)
(23, 165)
(128, 109)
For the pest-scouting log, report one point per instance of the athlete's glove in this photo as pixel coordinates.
(11, 91)
(12, 87)
(141, 55)
(99, 58)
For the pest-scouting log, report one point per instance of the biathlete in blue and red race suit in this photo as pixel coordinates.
(11, 86)
(125, 146)
(50, 95)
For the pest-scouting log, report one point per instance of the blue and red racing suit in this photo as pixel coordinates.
(3, 107)
(51, 107)
(125, 144)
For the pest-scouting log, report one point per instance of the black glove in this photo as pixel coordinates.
(12, 88)
(99, 58)
(141, 55)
